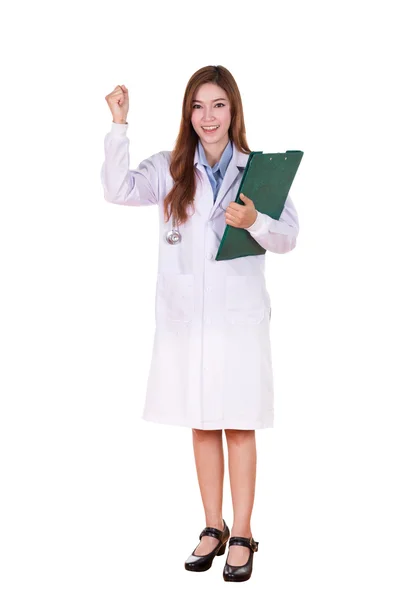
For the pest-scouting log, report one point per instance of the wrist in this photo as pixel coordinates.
(254, 219)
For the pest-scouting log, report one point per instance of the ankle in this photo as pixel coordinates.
(216, 523)
(241, 531)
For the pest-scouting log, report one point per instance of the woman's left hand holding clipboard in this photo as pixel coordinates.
(238, 215)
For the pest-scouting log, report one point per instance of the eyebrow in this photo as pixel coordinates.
(211, 101)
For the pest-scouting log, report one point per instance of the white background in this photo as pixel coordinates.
(95, 502)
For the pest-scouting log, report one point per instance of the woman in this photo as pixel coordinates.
(211, 365)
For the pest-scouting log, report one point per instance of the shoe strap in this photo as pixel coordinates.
(213, 531)
(243, 541)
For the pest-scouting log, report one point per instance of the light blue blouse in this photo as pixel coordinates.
(217, 172)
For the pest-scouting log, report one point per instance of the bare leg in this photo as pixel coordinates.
(209, 459)
(242, 472)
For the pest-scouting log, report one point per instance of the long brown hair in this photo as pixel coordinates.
(181, 168)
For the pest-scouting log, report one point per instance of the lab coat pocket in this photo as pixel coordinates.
(246, 299)
(175, 297)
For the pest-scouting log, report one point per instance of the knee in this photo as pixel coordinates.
(239, 436)
(206, 434)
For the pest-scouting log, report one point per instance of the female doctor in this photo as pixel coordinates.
(211, 366)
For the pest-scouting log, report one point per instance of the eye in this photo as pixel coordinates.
(218, 104)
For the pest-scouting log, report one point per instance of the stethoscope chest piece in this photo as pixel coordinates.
(173, 236)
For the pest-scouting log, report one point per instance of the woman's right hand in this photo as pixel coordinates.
(118, 102)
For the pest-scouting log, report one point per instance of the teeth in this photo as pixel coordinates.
(210, 128)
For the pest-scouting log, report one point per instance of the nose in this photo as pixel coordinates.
(208, 114)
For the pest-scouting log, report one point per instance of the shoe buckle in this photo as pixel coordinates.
(254, 545)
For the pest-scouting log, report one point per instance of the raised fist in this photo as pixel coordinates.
(118, 101)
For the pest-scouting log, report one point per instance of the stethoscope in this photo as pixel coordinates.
(173, 236)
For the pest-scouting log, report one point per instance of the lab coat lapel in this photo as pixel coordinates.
(235, 168)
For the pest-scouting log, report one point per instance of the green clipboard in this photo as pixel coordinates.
(267, 180)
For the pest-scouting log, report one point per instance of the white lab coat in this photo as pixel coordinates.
(211, 364)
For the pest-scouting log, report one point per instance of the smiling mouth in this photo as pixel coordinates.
(212, 128)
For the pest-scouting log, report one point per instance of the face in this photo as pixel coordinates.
(211, 107)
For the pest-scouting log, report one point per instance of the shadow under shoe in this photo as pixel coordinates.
(241, 572)
(203, 563)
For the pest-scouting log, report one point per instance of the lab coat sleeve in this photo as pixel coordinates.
(280, 235)
(138, 187)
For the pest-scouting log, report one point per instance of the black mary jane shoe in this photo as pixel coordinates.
(241, 572)
(203, 563)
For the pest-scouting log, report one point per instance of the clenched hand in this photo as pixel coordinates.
(239, 215)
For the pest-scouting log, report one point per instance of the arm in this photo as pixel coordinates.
(121, 185)
(277, 235)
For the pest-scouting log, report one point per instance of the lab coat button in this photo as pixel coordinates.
(209, 255)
